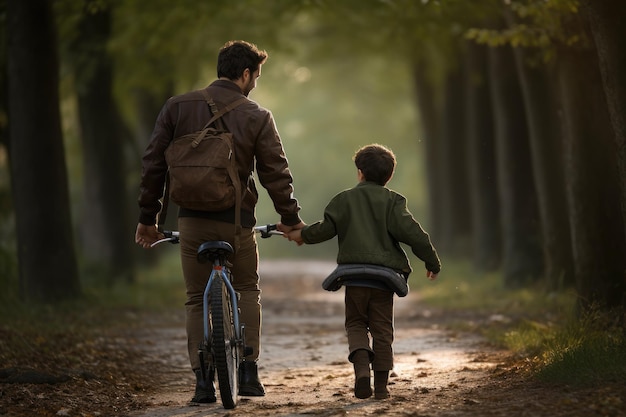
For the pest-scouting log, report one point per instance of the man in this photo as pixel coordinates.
(256, 141)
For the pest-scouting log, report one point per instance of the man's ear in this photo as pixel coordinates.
(245, 76)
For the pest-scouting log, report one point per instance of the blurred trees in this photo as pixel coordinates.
(481, 155)
(521, 106)
(521, 248)
(562, 125)
(104, 221)
(574, 152)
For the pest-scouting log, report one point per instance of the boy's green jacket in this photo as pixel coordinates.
(370, 221)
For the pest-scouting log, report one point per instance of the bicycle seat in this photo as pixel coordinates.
(210, 251)
(366, 275)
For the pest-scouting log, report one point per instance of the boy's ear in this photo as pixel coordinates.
(360, 175)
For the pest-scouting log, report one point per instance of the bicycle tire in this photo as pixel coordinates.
(224, 346)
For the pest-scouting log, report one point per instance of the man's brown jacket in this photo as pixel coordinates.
(256, 142)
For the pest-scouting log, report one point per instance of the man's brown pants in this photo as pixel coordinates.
(194, 232)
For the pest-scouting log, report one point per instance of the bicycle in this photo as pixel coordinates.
(223, 347)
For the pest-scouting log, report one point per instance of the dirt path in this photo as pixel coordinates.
(303, 361)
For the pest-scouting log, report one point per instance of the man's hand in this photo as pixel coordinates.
(431, 275)
(146, 235)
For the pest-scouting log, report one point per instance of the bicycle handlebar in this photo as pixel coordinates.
(267, 231)
(173, 236)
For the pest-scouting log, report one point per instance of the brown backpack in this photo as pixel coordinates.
(202, 169)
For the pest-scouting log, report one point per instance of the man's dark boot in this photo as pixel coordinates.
(362, 383)
(249, 384)
(205, 389)
(381, 378)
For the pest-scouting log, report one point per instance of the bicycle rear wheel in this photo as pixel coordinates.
(224, 346)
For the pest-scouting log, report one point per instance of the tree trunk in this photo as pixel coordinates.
(596, 224)
(481, 162)
(547, 168)
(46, 256)
(522, 256)
(147, 105)
(455, 210)
(431, 137)
(106, 226)
(607, 26)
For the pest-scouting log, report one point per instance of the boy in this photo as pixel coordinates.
(370, 220)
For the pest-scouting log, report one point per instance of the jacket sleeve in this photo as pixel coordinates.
(325, 229)
(274, 174)
(154, 168)
(404, 228)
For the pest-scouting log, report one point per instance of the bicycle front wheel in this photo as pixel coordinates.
(224, 345)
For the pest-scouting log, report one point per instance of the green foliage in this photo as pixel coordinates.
(166, 49)
(165, 42)
(405, 31)
(586, 351)
(159, 285)
(578, 351)
(539, 24)
(461, 287)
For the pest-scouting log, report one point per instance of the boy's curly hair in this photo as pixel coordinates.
(376, 162)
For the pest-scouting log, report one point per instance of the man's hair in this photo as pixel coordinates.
(235, 56)
(376, 162)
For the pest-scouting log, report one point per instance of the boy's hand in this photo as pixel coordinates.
(431, 275)
(295, 236)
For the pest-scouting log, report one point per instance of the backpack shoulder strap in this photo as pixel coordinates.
(165, 203)
(218, 114)
(232, 168)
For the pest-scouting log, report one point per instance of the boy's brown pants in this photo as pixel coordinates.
(369, 311)
(194, 232)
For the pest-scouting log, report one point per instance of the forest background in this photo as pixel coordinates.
(507, 118)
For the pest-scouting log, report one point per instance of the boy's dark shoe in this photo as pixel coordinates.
(205, 389)
(249, 384)
(381, 379)
(362, 384)
(362, 388)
